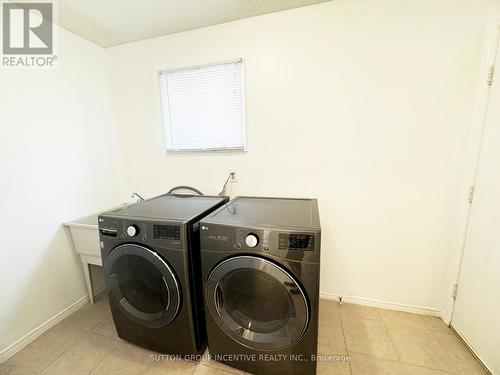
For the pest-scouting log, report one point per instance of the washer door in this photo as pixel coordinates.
(142, 284)
(257, 303)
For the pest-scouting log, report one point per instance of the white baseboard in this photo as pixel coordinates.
(12, 349)
(383, 305)
(469, 346)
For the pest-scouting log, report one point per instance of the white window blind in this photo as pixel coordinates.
(203, 107)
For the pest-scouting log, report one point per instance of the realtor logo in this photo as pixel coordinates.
(28, 35)
(27, 28)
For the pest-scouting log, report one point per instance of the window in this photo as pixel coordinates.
(203, 107)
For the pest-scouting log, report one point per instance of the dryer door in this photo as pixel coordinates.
(257, 303)
(142, 284)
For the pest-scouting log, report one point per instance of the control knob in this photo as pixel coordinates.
(132, 230)
(252, 240)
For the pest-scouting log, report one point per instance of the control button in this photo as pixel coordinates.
(238, 245)
(252, 240)
(132, 231)
(265, 247)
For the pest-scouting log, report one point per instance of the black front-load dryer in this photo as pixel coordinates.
(151, 258)
(261, 262)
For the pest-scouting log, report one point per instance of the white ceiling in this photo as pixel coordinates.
(112, 22)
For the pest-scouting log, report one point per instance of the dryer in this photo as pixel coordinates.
(261, 264)
(151, 260)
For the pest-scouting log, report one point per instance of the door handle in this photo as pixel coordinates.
(168, 293)
(219, 302)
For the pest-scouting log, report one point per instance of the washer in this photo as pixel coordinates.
(261, 263)
(151, 259)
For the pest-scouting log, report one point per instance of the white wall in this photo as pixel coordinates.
(58, 161)
(364, 104)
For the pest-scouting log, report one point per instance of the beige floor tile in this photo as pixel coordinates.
(434, 323)
(209, 370)
(73, 318)
(86, 354)
(117, 363)
(469, 367)
(10, 368)
(414, 370)
(327, 350)
(419, 347)
(330, 333)
(127, 359)
(328, 309)
(207, 361)
(365, 365)
(464, 360)
(336, 368)
(106, 328)
(328, 356)
(171, 368)
(350, 310)
(403, 318)
(368, 337)
(453, 345)
(87, 342)
(87, 316)
(94, 315)
(43, 351)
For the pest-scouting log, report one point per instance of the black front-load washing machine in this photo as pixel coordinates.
(151, 258)
(261, 262)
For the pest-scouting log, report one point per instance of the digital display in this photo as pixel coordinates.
(296, 241)
(166, 232)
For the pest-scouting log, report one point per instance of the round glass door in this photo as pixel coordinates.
(143, 284)
(257, 303)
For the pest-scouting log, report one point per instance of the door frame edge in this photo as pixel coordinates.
(490, 49)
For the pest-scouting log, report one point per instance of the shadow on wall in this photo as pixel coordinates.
(97, 279)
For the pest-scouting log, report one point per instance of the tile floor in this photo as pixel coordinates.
(377, 342)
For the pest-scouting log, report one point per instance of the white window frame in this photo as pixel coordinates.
(212, 149)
